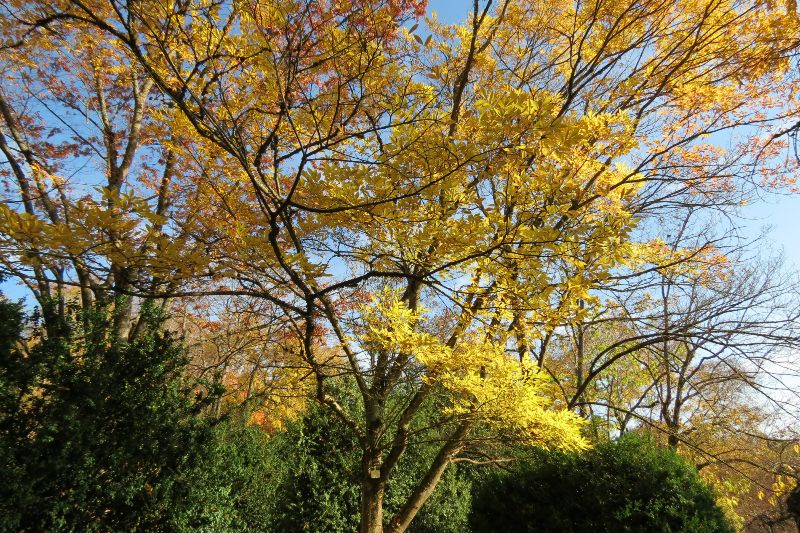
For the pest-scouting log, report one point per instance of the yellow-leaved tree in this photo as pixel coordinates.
(430, 202)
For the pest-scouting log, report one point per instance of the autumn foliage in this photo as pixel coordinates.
(417, 208)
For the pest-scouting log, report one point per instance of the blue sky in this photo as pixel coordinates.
(782, 213)
(450, 11)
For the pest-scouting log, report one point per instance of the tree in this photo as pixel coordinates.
(238, 341)
(432, 210)
(91, 202)
(699, 351)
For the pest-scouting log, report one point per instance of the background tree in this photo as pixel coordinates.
(241, 341)
(700, 351)
(92, 199)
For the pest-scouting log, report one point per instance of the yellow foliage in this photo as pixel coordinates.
(480, 377)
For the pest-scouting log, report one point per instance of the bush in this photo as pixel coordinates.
(100, 435)
(627, 485)
(316, 488)
(96, 435)
(230, 486)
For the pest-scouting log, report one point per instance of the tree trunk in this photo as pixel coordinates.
(372, 491)
(425, 489)
(672, 440)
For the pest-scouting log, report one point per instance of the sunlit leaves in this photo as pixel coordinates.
(480, 377)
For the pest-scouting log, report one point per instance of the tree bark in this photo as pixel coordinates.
(372, 491)
(425, 489)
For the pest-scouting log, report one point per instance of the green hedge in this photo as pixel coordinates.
(627, 485)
